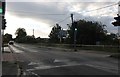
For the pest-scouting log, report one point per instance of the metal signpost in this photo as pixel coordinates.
(0, 39)
(2, 27)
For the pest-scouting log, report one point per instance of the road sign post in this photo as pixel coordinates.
(2, 22)
(0, 45)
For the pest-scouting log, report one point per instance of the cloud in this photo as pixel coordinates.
(38, 11)
(53, 12)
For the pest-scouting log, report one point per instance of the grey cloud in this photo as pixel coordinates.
(35, 10)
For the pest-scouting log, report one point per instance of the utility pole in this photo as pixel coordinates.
(75, 32)
(0, 45)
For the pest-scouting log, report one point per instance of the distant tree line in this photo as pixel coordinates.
(22, 37)
(88, 33)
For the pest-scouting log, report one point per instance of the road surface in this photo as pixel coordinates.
(37, 60)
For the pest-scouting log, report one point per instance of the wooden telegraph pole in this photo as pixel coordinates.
(75, 31)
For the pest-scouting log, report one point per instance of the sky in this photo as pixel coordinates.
(42, 15)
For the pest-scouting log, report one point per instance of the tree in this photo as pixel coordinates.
(20, 35)
(38, 39)
(7, 37)
(54, 34)
(20, 32)
(88, 32)
(29, 39)
(111, 39)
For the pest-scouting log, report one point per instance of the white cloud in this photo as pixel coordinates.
(14, 22)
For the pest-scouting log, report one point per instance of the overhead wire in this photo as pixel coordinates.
(62, 14)
(61, 21)
(96, 10)
(19, 12)
(99, 8)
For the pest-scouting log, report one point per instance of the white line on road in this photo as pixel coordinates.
(109, 69)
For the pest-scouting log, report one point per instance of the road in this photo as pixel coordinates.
(37, 60)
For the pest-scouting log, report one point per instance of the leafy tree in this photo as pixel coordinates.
(20, 32)
(30, 39)
(7, 37)
(26, 39)
(20, 35)
(38, 39)
(54, 34)
(88, 32)
(111, 39)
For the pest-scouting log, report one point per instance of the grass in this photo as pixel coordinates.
(104, 48)
(111, 49)
(115, 56)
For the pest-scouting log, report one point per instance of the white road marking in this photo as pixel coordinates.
(25, 48)
(61, 60)
(34, 63)
(43, 66)
(33, 73)
(109, 69)
(15, 49)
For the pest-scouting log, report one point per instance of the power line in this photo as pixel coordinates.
(100, 15)
(64, 14)
(106, 13)
(60, 21)
(69, 16)
(63, 19)
(22, 12)
(43, 14)
(99, 8)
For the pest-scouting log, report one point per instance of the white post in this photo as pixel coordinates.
(33, 32)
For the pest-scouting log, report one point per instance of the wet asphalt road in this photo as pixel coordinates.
(36, 60)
